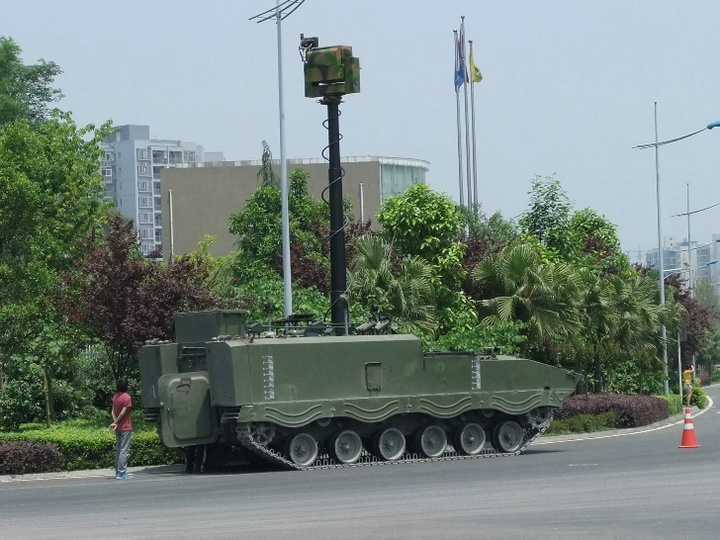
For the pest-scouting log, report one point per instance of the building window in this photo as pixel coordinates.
(176, 157)
(158, 236)
(144, 202)
(145, 218)
(107, 173)
(142, 153)
(109, 156)
(158, 203)
(145, 249)
(158, 156)
(143, 170)
(145, 233)
(158, 220)
(156, 188)
(156, 172)
(143, 186)
(189, 155)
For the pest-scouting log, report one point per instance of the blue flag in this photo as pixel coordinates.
(460, 72)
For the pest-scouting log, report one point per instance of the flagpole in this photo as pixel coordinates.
(459, 130)
(467, 127)
(474, 141)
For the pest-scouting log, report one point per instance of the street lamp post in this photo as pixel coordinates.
(281, 11)
(656, 145)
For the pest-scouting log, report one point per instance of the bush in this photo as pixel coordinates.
(23, 457)
(675, 404)
(715, 377)
(699, 397)
(630, 411)
(703, 379)
(87, 444)
(582, 423)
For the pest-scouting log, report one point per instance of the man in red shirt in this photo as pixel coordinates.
(122, 426)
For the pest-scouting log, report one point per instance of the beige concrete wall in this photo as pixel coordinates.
(205, 197)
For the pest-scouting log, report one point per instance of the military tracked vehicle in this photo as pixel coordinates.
(302, 399)
(310, 396)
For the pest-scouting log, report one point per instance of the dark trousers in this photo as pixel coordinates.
(195, 457)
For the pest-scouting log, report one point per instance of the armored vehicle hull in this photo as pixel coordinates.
(303, 402)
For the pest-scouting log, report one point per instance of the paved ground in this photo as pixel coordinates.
(174, 469)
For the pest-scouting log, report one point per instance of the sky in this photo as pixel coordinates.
(569, 88)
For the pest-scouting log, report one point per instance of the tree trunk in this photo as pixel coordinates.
(46, 392)
(598, 373)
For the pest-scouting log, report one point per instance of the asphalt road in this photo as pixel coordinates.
(624, 485)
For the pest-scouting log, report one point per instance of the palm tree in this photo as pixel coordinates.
(266, 174)
(544, 296)
(599, 317)
(633, 299)
(403, 291)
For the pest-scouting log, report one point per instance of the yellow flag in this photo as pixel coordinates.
(474, 70)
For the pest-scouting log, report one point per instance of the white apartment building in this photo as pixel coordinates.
(699, 260)
(131, 172)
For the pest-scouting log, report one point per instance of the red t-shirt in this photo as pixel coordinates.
(121, 400)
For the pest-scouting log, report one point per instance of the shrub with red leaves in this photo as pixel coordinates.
(630, 410)
(23, 457)
(122, 299)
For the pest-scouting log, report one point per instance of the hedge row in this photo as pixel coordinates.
(79, 449)
(630, 410)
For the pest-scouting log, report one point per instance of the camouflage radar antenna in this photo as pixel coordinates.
(330, 73)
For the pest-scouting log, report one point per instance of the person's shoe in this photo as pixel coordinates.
(123, 476)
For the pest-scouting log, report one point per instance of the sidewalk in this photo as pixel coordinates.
(93, 473)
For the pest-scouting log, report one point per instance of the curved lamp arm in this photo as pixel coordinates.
(711, 125)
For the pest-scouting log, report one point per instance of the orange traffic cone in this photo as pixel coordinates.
(688, 435)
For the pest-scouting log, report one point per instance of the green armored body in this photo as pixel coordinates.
(310, 400)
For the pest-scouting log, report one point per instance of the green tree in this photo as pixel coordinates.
(545, 297)
(400, 288)
(259, 229)
(599, 318)
(637, 334)
(596, 244)
(548, 216)
(25, 90)
(50, 197)
(423, 223)
(486, 237)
